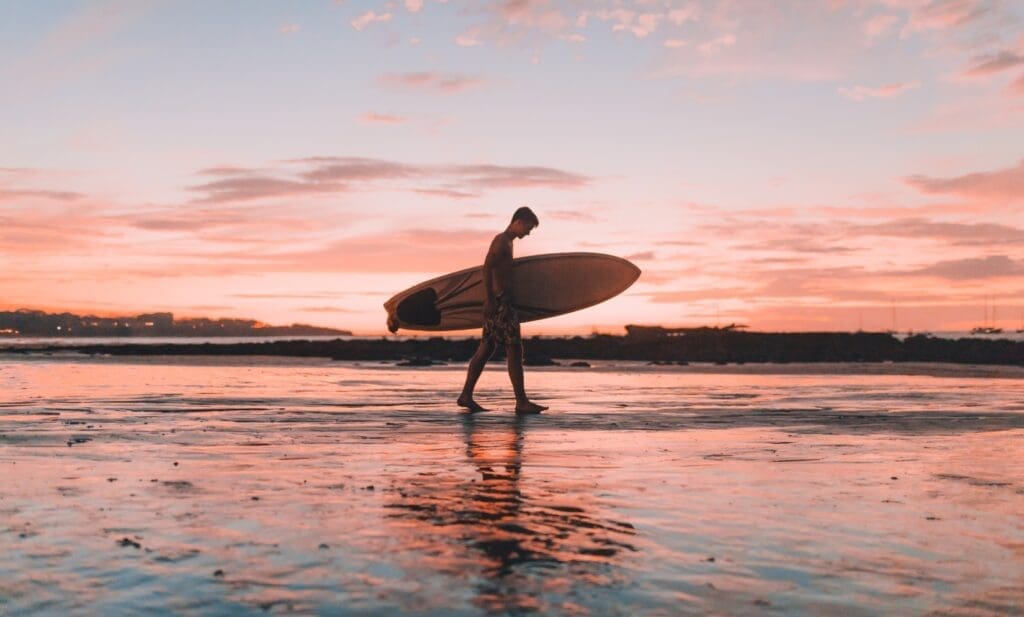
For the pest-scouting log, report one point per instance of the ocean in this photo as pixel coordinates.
(219, 486)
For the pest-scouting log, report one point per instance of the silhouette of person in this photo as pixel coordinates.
(501, 323)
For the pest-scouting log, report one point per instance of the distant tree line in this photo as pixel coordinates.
(30, 323)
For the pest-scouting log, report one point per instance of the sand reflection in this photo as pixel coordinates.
(524, 545)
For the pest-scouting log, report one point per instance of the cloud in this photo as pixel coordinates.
(1000, 185)
(334, 169)
(643, 256)
(1017, 87)
(244, 188)
(992, 266)
(21, 194)
(375, 118)
(413, 6)
(445, 193)
(499, 176)
(880, 25)
(332, 174)
(325, 309)
(79, 44)
(887, 91)
(643, 25)
(945, 14)
(227, 170)
(717, 44)
(987, 64)
(190, 218)
(368, 18)
(674, 43)
(799, 244)
(957, 234)
(532, 14)
(289, 28)
(690, 12)
(441, 83)
(572, 215)
(469, 38)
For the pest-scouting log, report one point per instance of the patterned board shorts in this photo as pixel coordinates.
(502, 326)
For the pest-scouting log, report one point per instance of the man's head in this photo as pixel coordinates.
(523, 222)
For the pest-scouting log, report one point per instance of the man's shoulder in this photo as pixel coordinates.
(500, 241)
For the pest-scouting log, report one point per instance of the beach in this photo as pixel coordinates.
(253, 485)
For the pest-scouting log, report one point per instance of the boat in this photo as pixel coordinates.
(987, 330)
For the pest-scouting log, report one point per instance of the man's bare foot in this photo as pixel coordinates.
(471, 405)
(529, 407)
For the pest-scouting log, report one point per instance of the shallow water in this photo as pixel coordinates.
(237, 486)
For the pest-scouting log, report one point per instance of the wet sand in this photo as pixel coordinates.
(254, 486)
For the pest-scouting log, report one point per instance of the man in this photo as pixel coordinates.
(501, 323)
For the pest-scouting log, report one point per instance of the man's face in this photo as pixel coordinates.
(522, 229)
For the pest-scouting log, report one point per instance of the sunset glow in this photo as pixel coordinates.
(827, 165)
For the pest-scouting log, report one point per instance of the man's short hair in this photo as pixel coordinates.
(525, 214)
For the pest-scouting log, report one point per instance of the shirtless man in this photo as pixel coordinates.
(501, 323)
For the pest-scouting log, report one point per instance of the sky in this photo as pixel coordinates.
(791, 165)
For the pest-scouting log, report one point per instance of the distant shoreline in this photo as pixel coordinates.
(707, 345)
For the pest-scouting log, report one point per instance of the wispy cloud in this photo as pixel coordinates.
(886, 91)
(249, 187)
(22, 194)
(974, 268)
(1017, 87)
(945, 14)
(441, 83)
(376, 118)
(880, 25)
(324, 175)
(953, 233)
(469, 38)
(1003, 185)
(717, 43)
(368, 18)
(987, 64)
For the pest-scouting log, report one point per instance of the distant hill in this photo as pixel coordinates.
(24, 322)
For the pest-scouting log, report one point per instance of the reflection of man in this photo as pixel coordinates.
(501, 323)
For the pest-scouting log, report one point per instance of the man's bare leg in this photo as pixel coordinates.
(515, 373)
(476, 366)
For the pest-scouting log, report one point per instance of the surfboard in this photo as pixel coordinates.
(542, 286)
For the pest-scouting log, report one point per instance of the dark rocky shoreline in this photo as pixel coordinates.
(699, 345)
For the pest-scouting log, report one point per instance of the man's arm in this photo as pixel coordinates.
(494, 266)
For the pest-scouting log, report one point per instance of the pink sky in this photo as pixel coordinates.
(791, 166)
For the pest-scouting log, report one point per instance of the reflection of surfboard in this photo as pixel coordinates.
(542, 286)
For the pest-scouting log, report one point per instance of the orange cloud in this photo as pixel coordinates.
(993, 266)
